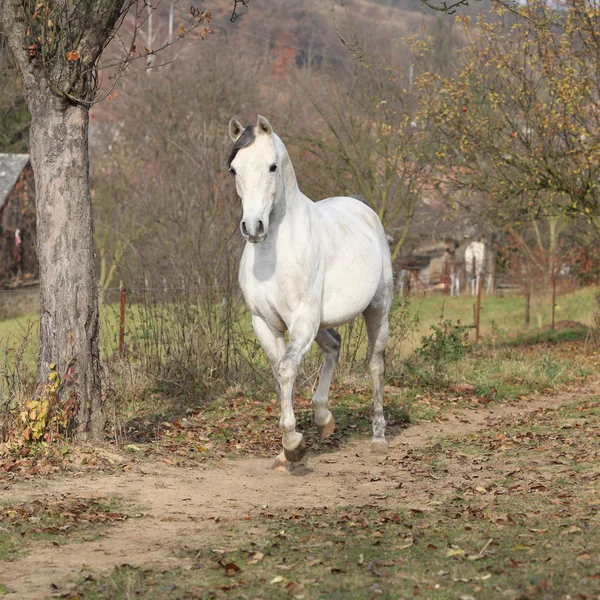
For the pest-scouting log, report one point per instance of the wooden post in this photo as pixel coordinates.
(122, 320)
(528, 304)
(478, 315)
(553, 298)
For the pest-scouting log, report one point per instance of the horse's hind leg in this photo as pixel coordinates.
(376, 320)
(329, 341)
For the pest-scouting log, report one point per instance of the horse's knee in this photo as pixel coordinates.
(287, 369)
(377, 366)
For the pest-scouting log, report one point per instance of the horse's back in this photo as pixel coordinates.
(341, 207)
(349, 218)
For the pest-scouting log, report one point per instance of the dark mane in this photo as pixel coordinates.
(246, 139)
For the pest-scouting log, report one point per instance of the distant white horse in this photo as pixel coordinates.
(307, 268)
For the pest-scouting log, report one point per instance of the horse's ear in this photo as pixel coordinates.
(235, 129)
(263, 126)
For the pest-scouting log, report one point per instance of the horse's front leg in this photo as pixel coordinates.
(302, 335)
(272, 342)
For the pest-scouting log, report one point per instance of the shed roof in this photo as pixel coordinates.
(11, 166)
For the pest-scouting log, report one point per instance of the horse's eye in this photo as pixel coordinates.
(232, 170)
(273, 168)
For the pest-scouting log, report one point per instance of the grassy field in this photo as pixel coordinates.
(506, 313)
(507, 509)
(500, 315)
(516, 531)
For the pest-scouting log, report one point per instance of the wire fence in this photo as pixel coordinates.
(507, 302)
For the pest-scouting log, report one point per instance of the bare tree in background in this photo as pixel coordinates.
(57, 46)
(372, 147)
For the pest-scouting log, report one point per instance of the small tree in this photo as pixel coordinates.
(520, 120)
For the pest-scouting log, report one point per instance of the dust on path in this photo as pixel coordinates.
(196, 506)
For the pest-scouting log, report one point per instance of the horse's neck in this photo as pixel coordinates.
(292, 202)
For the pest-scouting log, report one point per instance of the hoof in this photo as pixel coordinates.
(379, 446)
(297, 453)
(281, 464)
(327, 429)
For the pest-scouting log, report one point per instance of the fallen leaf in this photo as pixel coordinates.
(231, 569)
(255, 558)
(132, 448)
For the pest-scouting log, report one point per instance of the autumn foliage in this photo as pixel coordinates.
(520, 120)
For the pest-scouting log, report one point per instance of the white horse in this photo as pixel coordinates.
(307, 268)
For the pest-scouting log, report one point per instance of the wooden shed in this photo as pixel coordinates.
(18, 259)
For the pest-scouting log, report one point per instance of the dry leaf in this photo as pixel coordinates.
(255, 558)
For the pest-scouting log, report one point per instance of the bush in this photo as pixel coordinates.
(447, 343)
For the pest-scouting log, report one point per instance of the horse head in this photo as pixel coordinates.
(254, 164)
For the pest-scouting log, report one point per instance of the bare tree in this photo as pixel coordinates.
(371, 147)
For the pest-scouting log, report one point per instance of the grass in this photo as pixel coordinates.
(177, 416)
(500, 313)
(511, 512)
(243, 420)
(517, 525)
(501, 371)
(504, 314)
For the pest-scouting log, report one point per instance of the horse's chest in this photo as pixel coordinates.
(264, 301)
(275, 298)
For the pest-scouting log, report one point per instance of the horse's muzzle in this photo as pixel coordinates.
(255, 232)
(256, 239)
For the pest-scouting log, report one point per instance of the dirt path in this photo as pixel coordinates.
(196, 506)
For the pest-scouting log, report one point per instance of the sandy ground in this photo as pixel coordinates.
(195, 506)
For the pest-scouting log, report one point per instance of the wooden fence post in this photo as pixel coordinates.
(122, 320)
(478, 311)
(553, 298)
(527, 304)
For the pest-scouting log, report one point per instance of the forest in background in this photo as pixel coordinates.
(165, 209)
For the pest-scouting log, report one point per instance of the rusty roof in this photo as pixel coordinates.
(11, 166)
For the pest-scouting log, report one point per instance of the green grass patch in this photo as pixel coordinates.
(503, 314)
(549, 336)
(498, 372)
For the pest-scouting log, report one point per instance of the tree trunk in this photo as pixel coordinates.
(56, 46)
(69, 302)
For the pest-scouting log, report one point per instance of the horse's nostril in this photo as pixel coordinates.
(261, 228)
(244, 229)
